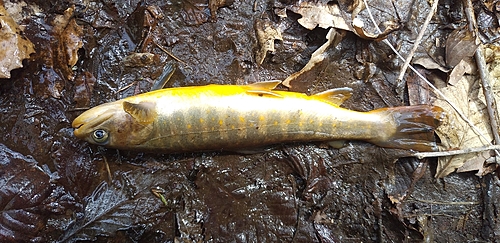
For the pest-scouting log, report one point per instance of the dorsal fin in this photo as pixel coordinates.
(264, 88)
(266, 85)
(143, 112)
(335, 96)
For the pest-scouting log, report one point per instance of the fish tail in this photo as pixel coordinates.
(414, 127)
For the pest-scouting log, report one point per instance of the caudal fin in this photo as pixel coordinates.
(415, 127)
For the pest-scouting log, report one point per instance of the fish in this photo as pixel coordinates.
(235, 117)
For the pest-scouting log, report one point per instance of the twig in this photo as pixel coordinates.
(110, 178)
(421, 155)
(168, 53)
(445, 203)
(485, 77)
(126, 86)
(417, 41)
(476, 130)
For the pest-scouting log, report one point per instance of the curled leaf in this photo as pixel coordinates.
(333, 38)
(267, 33)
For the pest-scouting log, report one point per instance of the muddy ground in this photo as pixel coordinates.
(56, 188)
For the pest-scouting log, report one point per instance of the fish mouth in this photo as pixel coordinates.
(90, 120)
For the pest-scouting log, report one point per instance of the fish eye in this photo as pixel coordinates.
(100, 136)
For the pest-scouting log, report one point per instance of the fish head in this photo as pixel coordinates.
(120, 124)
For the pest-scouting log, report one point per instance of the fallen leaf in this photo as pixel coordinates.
(460, 44)
(70, 37)
(430, 63)
(266, 33)
(492, 55)
(333, 38)
(455, 133)
(476, 163)
(140, 59)
(466, 65)
(14, 48)
(358, 26)
(320, 14)
(326, 15)
(24, 189)
(84, 85)
(110, 209)
(192, 14)
(214, 5)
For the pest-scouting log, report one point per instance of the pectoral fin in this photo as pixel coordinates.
(143, 112)
(335, 96)
(264, 88)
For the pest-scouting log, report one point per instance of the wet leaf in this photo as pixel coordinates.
(140, 59)
(24, 187)
(459, 45)
(14, 48)
(326, 15)
(359, 29)
(84, 85)
(70, 36)
(214, 5)
(119, 206)
(192, 14)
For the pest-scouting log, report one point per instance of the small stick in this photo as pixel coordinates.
(421, 155)
(126, 86)
(168, 53)
(485, 78)
(418, 40)
(446, 203)
(110, 178)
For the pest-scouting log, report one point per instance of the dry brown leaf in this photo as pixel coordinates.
(455, 133)
(492, 55)
(466, 65)
(333, 38)
(13, 47)
(476, 163)
(359, 30)
(266, 33)
(320, 14)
